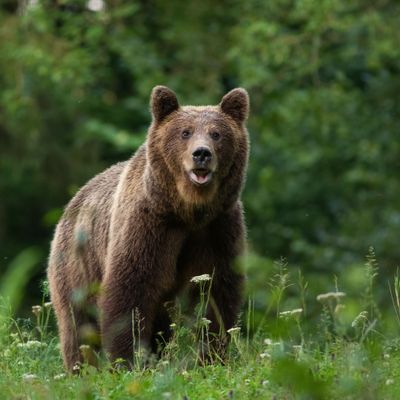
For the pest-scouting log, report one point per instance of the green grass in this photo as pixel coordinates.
(338, 370)
(332, 346)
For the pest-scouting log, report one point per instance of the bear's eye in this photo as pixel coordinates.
(215, 135)
(186, 134)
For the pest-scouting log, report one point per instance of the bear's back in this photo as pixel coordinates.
(82, 232)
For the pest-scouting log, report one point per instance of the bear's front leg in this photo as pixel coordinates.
(226, 245)
(128, 305)
(140, 270)
(216, 251)
(225, 301)
(223, 308)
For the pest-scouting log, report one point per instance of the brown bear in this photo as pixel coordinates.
(143, 228)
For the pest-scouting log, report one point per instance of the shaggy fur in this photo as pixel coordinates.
(141, 229)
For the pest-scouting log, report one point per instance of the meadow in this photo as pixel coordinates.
(346, 350)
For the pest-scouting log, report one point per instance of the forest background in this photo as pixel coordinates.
(324, 81)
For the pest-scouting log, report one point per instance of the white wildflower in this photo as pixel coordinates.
(360, 319)
(297, 349)
(31, 344)
(76, 368)
(330, 295)
(201, 278)
(291, 313)
(86, 351)
(167, 395)
(29, 377)
(95, 5)
(265, 355)
(247, 381)
(386, 356)
(173, 325)
(234, 330)
(48, 304)
(59, 377)
(264, 382)
(205, 321)
(36, 310)
(268, 342)
(389, 382)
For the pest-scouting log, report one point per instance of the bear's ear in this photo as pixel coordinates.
(236, 104)
(163, 102)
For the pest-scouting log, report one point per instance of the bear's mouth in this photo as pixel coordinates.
(200, 176)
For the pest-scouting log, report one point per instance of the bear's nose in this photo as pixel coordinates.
(202, 155)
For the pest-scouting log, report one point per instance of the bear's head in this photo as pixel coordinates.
(200, 150)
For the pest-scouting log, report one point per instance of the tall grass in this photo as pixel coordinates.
(305, 346)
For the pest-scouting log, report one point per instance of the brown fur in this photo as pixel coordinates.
(142, 229)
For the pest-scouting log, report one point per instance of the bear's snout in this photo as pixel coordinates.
(202, 157)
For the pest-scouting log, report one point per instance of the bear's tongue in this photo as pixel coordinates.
(200, 176)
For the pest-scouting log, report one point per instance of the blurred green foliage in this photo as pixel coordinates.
(324, 81)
